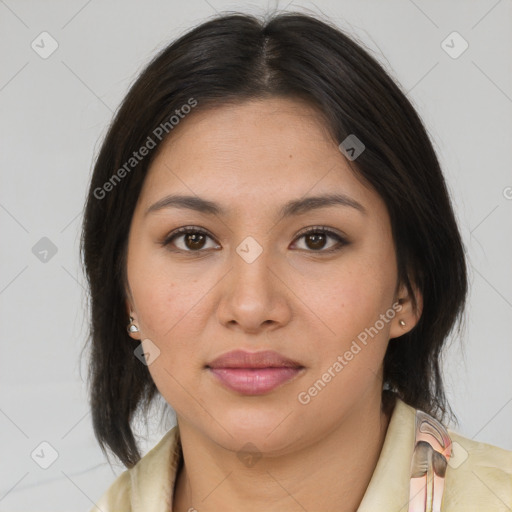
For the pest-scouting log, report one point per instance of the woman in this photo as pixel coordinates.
(271, 247)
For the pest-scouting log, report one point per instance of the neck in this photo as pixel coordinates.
(331, 474)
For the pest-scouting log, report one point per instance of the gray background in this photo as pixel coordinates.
(54, 112)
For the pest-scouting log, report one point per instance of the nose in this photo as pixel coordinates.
(254, 296)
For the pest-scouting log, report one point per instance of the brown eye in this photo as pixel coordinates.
(194, 240)
(188, 239)
(316, 240)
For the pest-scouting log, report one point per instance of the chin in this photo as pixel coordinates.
(270, 430)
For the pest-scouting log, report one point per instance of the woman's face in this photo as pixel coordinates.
(252, 280)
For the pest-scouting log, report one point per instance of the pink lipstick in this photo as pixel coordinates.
(253, 373)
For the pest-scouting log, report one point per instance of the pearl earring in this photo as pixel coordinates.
(132, 327)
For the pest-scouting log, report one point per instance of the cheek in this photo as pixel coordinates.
(169, 317)
(165, 295)
(350, 355)
(170, 302)
(354, 295)
(350, 305)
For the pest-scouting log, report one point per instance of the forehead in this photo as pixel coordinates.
(265, 127)
(255, 151)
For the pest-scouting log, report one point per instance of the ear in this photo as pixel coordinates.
(131, 314)
(407, 315)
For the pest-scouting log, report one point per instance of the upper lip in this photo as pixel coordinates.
(244, 359)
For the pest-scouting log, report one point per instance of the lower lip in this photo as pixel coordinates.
(255, 381)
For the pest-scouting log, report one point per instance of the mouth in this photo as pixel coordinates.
(253, 373)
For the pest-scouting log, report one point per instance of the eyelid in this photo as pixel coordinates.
(184, 230)
(325, 229)
(340, 237)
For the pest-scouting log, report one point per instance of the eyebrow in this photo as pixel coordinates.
(291, 208)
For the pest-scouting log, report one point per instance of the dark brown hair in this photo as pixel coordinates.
(237, 57)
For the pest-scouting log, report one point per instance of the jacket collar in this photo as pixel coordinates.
(154, 477)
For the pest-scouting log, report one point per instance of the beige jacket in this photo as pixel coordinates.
(478, 477)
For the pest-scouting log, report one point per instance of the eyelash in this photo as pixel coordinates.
(314, 230)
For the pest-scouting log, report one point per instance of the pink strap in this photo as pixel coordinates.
(432, 451)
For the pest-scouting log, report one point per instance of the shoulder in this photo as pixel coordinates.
(117, 496)
(146, 485)
(478, 476)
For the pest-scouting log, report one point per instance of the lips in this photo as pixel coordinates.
(243, 359)
(253, 373)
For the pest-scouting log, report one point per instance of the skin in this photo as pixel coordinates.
(306, 304)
